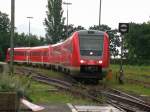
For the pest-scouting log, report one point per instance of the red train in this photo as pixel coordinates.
(84, 54)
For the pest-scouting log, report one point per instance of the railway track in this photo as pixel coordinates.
(38, 76)
(127, 102)
(120, 100)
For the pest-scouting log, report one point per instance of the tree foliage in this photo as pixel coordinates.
(54, 22)
(114, 42)
(101, 27)
(137, 41)
(20, 40)
(71, 29)
(4, 34)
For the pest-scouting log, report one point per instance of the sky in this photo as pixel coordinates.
(81, 12)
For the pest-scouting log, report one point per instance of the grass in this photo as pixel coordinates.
(141, 73)
(130, 70)
(40, 94)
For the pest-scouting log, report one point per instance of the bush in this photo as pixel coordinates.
(11, 83)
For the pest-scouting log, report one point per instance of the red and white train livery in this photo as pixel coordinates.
(85, 54)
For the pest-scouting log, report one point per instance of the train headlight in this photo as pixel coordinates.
(82, 61)
(100, 62)
(91, 53)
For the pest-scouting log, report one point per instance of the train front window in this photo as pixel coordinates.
(91, 45)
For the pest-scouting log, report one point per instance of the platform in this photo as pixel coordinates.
(74, 108)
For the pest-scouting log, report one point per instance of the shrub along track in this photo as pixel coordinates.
(116, 98)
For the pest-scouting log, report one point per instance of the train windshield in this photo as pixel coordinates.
(91, 45)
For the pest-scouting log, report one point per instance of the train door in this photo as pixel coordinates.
(28, 57)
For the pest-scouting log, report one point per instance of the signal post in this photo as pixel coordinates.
(123, 29)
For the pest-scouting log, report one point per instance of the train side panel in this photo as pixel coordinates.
(39, 55)
(66, 52)
(46, 55)
(75, 56)
(106, 54)
(36, 56)
(20, 55)
(56, 55)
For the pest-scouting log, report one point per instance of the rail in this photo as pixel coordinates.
(120, 100)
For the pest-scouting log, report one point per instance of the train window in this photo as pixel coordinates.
(57, 50)
(68, 46)
(91, 45)
(45, 53)
(36, 53)
(27, 53)
(21, 53)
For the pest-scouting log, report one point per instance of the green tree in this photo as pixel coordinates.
(22, 40)
(4, 34)
(54, 22)
(137, 41)
(71, 29)
(79, 28)
(114, 42)
(101, 27)
(35, 41)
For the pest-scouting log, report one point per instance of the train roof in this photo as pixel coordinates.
(59, 43)
(40, 47)
(18, 48)
(90, 32)
(24, 48)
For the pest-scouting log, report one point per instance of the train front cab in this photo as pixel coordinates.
(91, 54)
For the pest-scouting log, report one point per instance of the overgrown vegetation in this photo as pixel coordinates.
(139, 73)
(43, 93)
(137, 42)
(12, 83)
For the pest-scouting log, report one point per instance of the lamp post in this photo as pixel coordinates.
(100, 13)
(67, 3)
(12, 36)
(29, 29)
